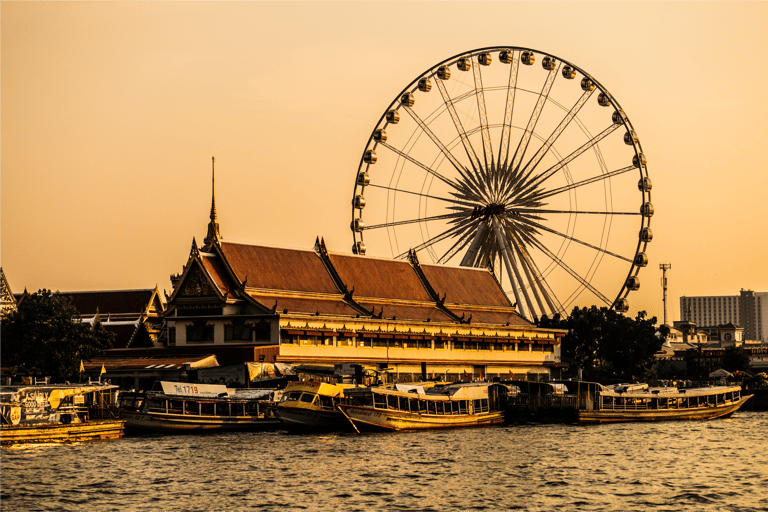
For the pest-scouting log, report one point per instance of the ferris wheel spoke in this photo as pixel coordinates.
(537, 210)
(413, 221)
(471, 154)
(534, 274)
(541, 178)
(464, 238)
(538, 225)
(421, 165)
(584, 283)
(470, 257)
(426, 196)
(435, 239)
(582, 183)
(534, 119)
(534, 162)
(480, 96)
(506, 130)
(512, 270)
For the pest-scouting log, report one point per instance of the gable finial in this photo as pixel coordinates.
(213, 226)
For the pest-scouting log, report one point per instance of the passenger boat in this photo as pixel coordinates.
(450, 406)
(181, 407)
(313, 406)
(54, 414)
(639, 402)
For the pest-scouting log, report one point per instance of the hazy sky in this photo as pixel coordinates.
(111, 113)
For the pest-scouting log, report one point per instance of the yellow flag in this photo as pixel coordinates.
(82, 368)
(103, 370)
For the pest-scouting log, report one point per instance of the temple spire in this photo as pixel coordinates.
(213, 226)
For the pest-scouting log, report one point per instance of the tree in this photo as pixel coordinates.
(608, 346)
(45, 336)
(735, 359)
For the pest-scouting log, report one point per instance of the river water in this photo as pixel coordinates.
(700, 465)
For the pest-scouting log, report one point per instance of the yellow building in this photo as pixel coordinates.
(401, 318)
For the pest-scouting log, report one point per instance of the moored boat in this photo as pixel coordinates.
(312, 406)
(450, 406)
(184, 408)
(639, 402)
(53, 414)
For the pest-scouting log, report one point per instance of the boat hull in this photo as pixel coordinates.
(370, 419)
(312, 420)
(697, 413)
(95, 430)
(159, 422)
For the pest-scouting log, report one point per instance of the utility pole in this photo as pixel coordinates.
(664, 267)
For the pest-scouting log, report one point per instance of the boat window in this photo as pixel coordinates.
(326, 402)
(175, 406)
(292, 396)
(308, 397)
(222, 409)
(252, 409)
(207, 409)
(156, 405)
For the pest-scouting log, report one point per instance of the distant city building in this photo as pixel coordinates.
(748, 310)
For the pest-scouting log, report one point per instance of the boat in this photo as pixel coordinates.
(639, 402)
(313, 406)
(180, 407)
(55, 413)
(448, 406)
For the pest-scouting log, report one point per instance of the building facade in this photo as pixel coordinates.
(401, 319)
(749, 310)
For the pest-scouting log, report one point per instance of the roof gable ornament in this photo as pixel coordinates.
(214, 234)
(194, 252)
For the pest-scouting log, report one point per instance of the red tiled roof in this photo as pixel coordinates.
(380, 278)
(215, 269)
(334, 306)
(465, 285)
(113, 363)
(111, 302)
(278, 269)
(123, 334)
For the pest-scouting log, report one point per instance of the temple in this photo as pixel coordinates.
(403, 319)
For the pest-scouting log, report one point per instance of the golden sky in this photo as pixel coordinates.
(111, 112)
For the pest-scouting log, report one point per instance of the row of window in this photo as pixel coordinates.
(201, 331)
(345, 341)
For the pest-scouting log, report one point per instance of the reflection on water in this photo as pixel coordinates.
(708, 465)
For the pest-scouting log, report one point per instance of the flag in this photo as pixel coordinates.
(103, 370)
(82, 368)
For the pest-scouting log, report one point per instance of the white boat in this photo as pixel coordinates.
(184, 407)
(451, 406)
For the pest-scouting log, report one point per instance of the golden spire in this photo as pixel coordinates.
(213, 226)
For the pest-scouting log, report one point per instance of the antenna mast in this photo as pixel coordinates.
(664, 267)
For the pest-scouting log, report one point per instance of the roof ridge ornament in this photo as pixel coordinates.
(214, 234)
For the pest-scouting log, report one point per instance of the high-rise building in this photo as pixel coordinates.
(748, 310)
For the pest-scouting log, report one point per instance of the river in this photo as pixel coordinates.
(701, 465)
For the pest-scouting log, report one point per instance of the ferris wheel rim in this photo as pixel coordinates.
(432, 71)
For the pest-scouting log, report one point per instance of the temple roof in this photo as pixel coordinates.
(278, 269)
(123, 303)
(316, 282)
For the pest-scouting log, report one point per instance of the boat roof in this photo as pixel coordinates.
(7, 392)
(671, 391)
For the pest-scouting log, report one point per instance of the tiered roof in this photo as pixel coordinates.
(305, 282)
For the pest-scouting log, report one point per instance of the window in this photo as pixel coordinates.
(237, 331)
(172, 336)
(199, 331)
(263, 331)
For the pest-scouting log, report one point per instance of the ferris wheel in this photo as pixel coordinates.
(512, 159)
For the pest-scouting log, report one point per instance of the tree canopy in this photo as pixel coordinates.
(45, 336)
(735, 359)
(608, 346)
